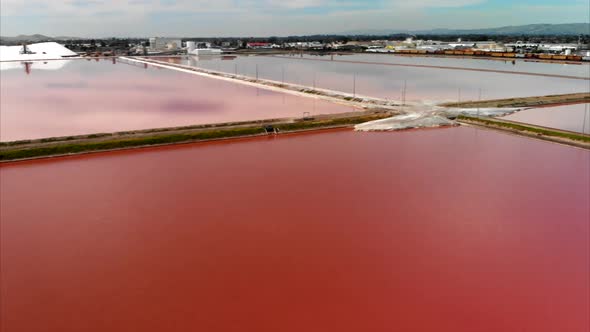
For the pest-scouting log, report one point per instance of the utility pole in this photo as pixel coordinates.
(354, 84)
(585, 115)
(404, 91)
(479, 99)
(257, 72)
(402, 95)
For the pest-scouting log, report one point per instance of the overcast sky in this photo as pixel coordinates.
(104, 18)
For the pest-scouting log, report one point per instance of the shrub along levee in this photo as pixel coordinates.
(525, 101)
(91, 143)
(117, 135)
(304, 125)
(82, 147)
(524, 128)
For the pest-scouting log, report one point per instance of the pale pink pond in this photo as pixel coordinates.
(567, 117)
(75, 97)
(384, 76)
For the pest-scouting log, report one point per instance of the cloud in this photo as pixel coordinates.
(88, 7)
(85, 3)
(101, 18)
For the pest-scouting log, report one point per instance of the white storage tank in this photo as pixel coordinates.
(190, 46)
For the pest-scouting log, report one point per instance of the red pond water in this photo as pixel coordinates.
(337, 231)
(63, 98)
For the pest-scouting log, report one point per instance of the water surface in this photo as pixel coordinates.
(334, 231)
(580, 69)
(63, 98)
(386, 81)
(567, 117)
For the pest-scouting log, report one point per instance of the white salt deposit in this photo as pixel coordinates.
(492, 112)
(39, 51)
(405, 121)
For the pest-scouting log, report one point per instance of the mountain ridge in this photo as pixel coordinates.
(529, 29)
(35, 38)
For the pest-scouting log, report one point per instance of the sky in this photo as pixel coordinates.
(244, 18)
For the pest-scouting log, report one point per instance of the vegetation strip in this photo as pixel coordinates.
(566, 137)
(573, 98)
(62, 148)
(122, 134)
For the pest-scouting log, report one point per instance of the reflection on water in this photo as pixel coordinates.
(569, 117)
(510, 65)
(29, 66)
(387, 81)
(450, 230)
(74, 97)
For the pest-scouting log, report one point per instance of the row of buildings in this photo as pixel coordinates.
(163, 45)
(486, 46)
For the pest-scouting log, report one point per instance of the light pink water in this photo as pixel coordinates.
(63, 98)
(386, 81)
(456, 230)
(568, 117)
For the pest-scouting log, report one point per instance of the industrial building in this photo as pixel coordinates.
(257, 45)
(165, 44)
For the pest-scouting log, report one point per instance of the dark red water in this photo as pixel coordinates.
(437, 230)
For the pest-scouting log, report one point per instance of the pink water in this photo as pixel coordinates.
(63, 98)
(386, 81)
(568, 117)
(456, 230)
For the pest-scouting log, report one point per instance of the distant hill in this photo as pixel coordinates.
(66, 38)
(531, 29)
(33, 38)
(29, 38)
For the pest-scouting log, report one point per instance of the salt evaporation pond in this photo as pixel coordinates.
(386, 81)
(454, 230)
(566, 117)
(579, 69)
(63, 98)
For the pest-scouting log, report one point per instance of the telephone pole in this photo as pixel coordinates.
(479, 99)
(585, 115)
(354, 85)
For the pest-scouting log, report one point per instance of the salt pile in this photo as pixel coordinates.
(39, 51)
(405, 121)
(491, 112)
